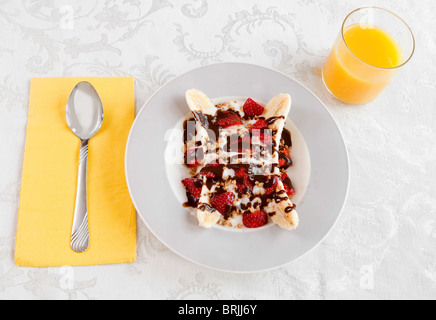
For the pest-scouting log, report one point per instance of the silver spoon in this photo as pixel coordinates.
(84, 117)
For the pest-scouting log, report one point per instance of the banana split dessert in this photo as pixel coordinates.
(238, 152)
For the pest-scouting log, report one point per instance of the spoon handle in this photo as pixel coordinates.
(80, 232)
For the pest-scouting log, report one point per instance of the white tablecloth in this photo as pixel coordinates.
(384, 245)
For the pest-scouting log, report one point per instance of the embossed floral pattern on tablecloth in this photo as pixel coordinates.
(384, 244)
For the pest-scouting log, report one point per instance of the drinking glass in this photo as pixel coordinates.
(372, 46)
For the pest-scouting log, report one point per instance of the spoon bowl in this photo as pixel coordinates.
(84, 115)
(84, 111)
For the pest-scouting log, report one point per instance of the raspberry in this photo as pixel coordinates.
(252, 108)
(255, 219)
(223, 202)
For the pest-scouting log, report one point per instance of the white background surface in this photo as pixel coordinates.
(384, 246)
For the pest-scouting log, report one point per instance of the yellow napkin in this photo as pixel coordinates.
(49, 178)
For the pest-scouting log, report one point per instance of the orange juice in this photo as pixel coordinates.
(361, 64)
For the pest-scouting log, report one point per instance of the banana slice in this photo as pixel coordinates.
(285, 220)
(198, 101)
(206, 217)
(286, 217)
(279, 108)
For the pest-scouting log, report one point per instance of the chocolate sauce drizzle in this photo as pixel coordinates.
(249, 175)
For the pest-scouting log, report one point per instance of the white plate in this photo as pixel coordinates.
(152, 184)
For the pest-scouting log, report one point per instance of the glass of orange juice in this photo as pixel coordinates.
(373, 45)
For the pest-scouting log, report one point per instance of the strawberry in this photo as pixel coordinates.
(193, 186)
(207, 174)
(289, 191)
(243, 144)
(284, 158)
(265, 135)
(193, 157)
(241, 173)
(287, 184)
(242, 188)
(266, 138)
(246, 186)
(273, 188)
(252, 108)
(260, 124)
(223, 202)
(228, 118)
(255, 219)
